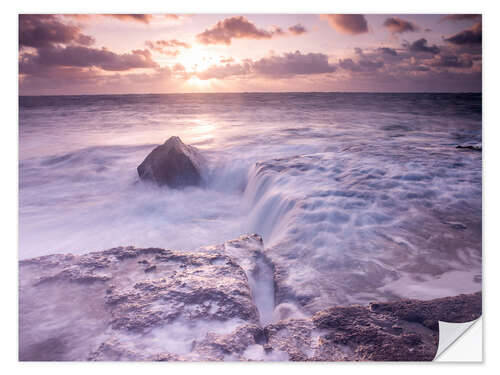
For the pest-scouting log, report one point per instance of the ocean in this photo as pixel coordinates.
(356, 195)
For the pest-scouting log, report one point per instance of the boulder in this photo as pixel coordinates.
(173, 163)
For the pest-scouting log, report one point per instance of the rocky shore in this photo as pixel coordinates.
(213, 304)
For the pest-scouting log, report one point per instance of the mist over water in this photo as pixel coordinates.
(339, 178)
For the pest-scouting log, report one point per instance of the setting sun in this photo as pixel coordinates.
(197, 59)
(200, 83)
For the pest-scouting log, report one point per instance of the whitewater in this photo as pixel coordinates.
(357, 196)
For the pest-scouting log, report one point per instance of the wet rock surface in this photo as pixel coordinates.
(153, 304)
(405, 330)
(173, 163)
(471, 146)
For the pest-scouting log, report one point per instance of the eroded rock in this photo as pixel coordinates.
(128, 300)
(405, 330)
(153, 304)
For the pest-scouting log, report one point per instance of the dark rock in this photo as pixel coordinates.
(150, 269)
(473, 147)
(395, 331)
(457, 225)
(173, 164)
(459, 309)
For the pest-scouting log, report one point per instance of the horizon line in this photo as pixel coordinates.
(265, 92)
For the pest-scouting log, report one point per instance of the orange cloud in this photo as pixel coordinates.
(347, 23)
(163, 46)
(397, 25)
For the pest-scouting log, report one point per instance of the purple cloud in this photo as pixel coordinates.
(452, 61)
(473, 35)
(286, 65)
(294, 63)
(420, 45)
(461, 17)
(224, 71)
(42, 30)
(297, 29)
(79, 56)
(234, 27)
(387, 51)
(363, 65)
(240, 27)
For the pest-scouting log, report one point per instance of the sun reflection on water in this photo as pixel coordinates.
(201, 131)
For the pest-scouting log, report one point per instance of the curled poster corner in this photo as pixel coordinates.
(469, 346)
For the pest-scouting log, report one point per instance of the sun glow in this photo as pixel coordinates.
(201, 131)
(197, 59)
(199, 83)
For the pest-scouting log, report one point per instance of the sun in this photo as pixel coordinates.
(199, 83)
(197, 59)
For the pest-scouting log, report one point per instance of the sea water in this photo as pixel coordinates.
(351, 184)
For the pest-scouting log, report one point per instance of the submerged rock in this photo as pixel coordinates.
(473, 147)
(150, 304)
(173, 163)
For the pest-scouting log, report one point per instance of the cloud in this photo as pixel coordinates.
(471, 36)
(387, 51)
(363, 65)
(452, 61)
(297, 29)
(293, 64)
(70, 80)
(398, 26)
(144, 18)
(172, 16)
(347, 23)
(420, 45)
(163, 46)
(226, 60)
(224, 71)
(240, 27)
(286, 65)
(460, 17)
(43, 30)
(79, 56)
(141, 18)
(234, 27)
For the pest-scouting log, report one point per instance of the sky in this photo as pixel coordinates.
(173, 53)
